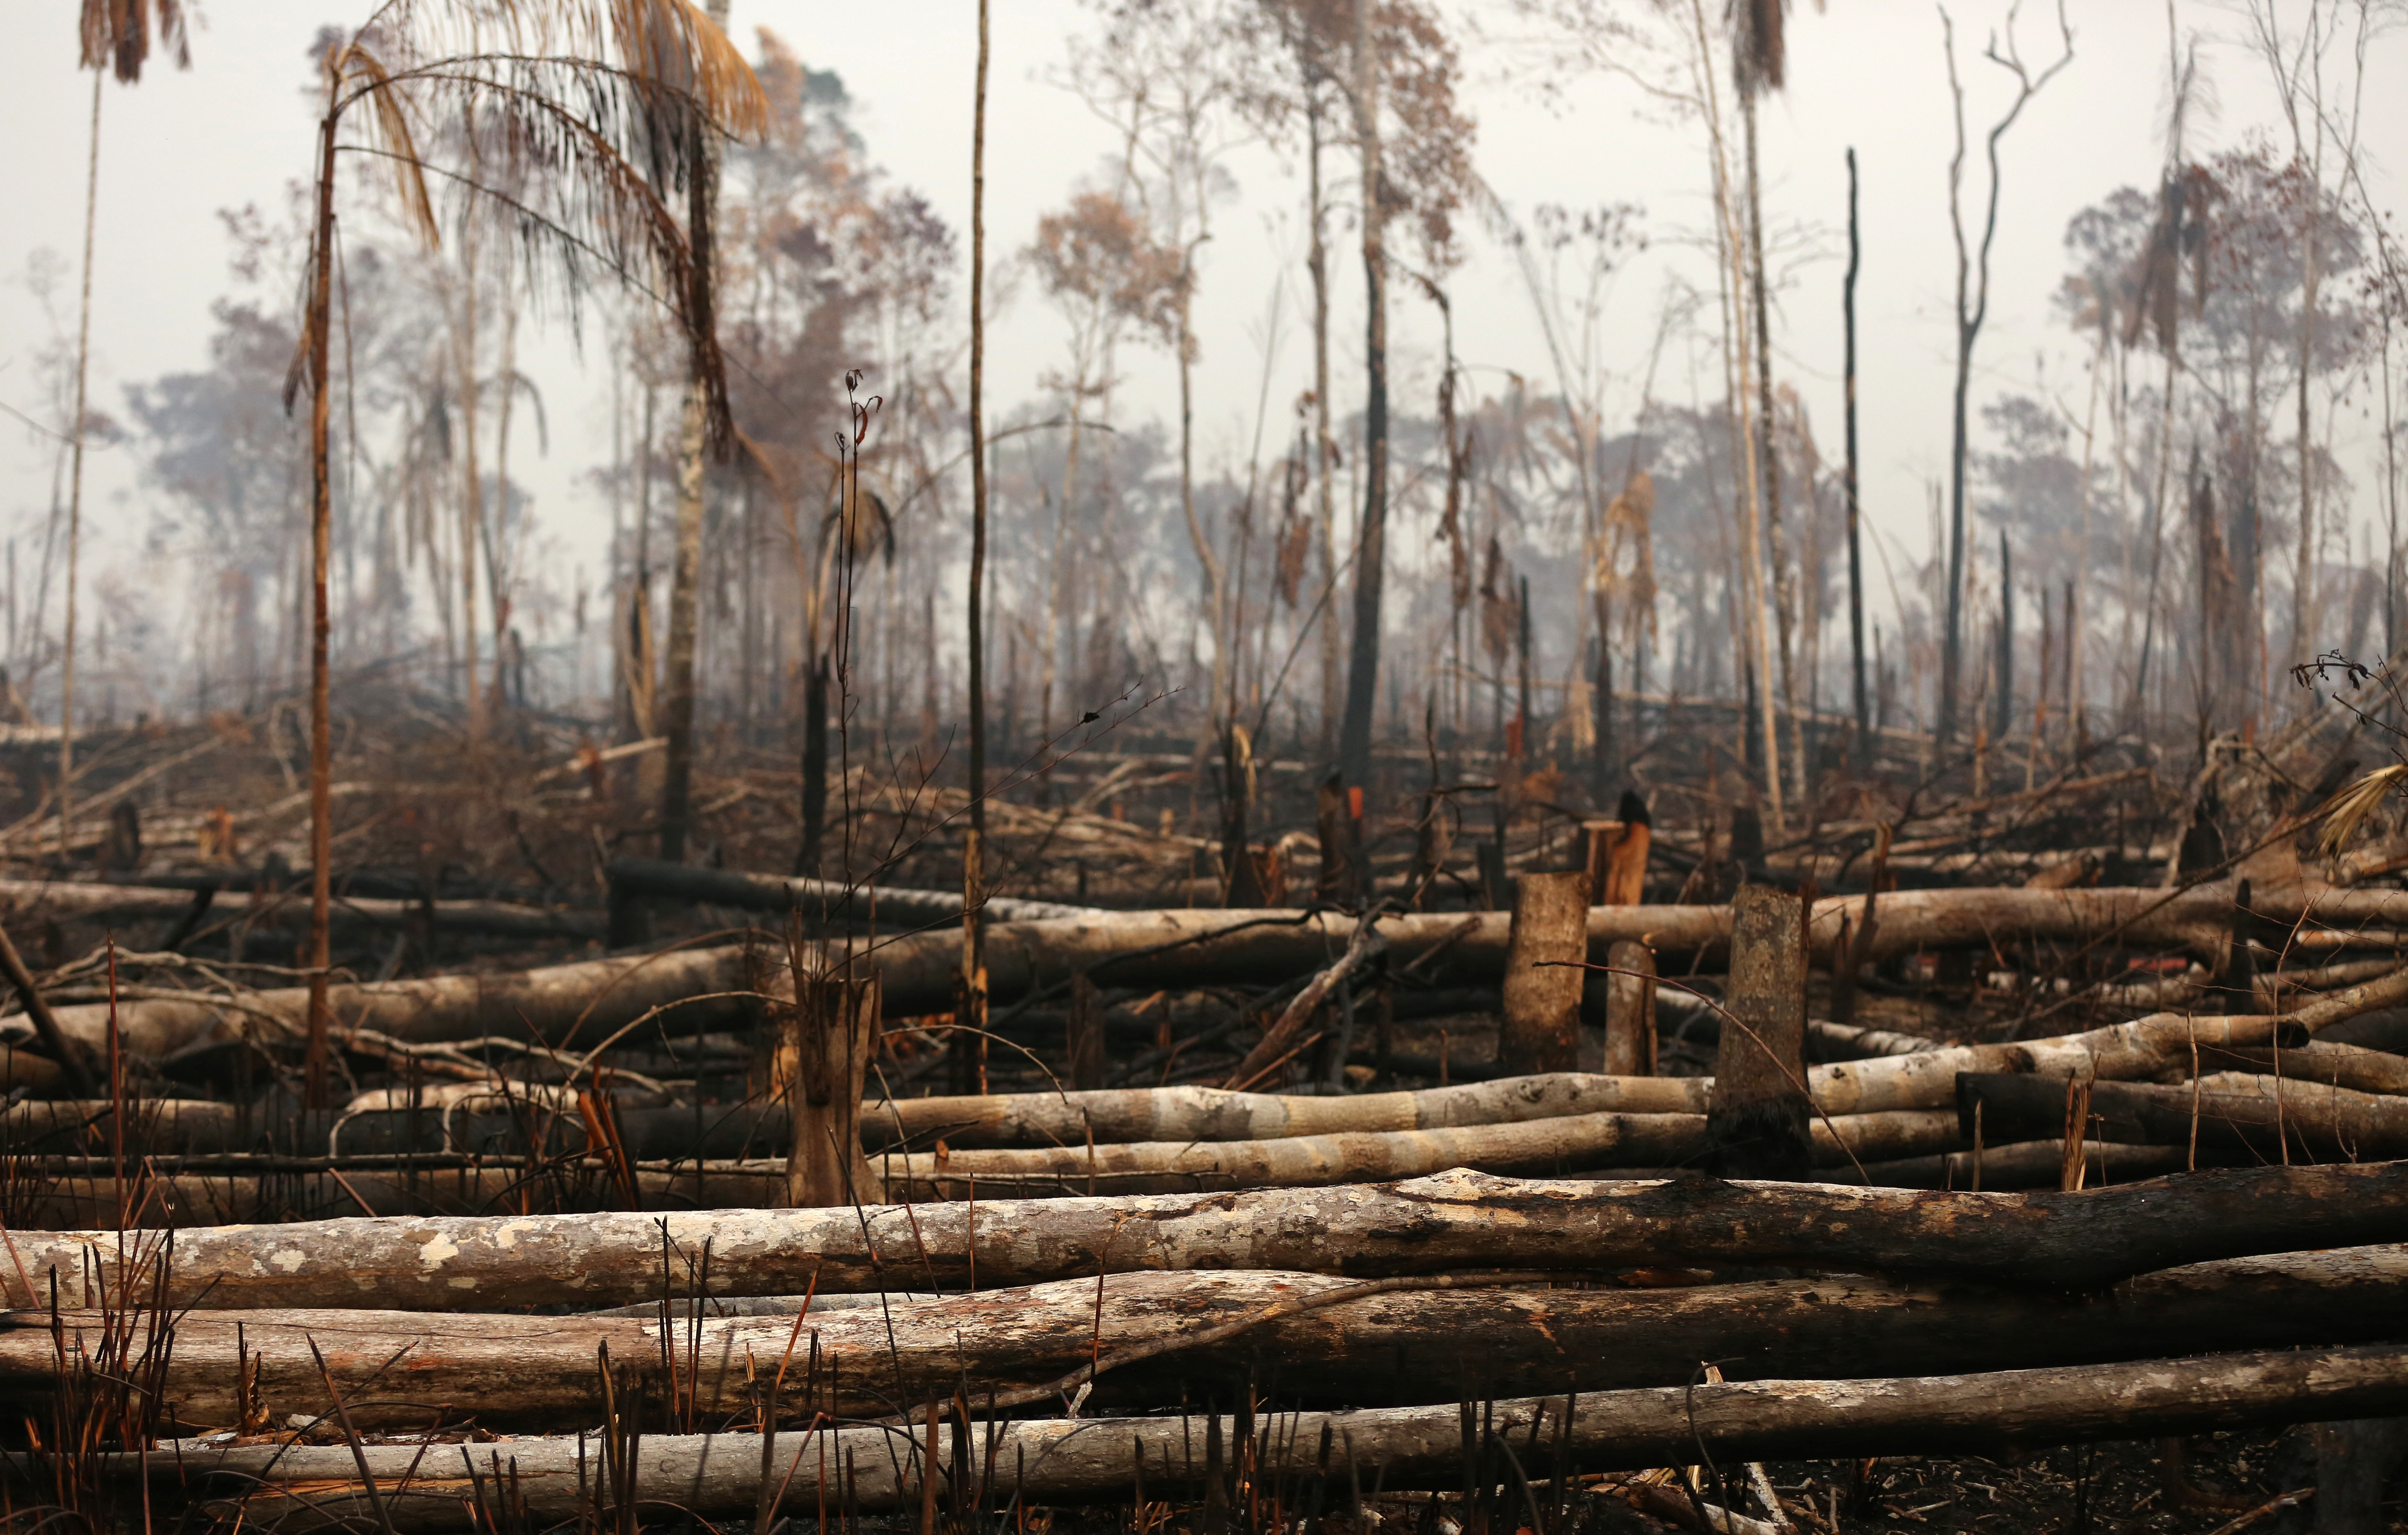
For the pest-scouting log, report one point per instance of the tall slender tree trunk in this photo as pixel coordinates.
(972, 996)
(1863, 752)
(1952, 639)
(1768, 451)
(685, 576)
(315, 1052)
(498, 531)
(2304, 582)
(1324, 446)
(75, 472)
(1370, 552)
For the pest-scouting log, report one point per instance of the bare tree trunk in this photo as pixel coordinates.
(1370, 548)
(1972, 308)
(75, 474)
(677, 787)
(322, 808)
(1777, 560)
(497, 530)
(1324, 446)
(472, 486)
(1863, 752)
(971, 986)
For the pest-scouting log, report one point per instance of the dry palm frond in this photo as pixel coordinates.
(2345, 811)
(116, 34)
(584, 120)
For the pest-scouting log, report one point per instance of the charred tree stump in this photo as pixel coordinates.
(830, 1035)
(1758, 1121)
(1545, 951)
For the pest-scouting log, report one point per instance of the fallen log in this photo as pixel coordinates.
(1453, 1221)
(2118, 1051)
(107, 904)
(184, 1191)
(1066, 1460)
(1565, 1144)
(1158, 949)
(2040, 1163)
(1397, 1347)
(176, 1127)
(818, 900)
(1211, 1114)
(2317, 1061)
(2234, 1110)
(561, 1005)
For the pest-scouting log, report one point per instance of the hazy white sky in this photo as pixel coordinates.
(1863, 73)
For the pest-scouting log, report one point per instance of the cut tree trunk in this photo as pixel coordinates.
(1640, 1146)
(1422, 1226)
(1211, 1114)
(1630, 1010)
(1547, 946)
(831, 1033)
(1390, 1347)
(1760, 1109)
(1068, 1460)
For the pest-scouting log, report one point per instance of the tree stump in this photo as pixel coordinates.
(830, 1036)
(1548, 943)
(1759, 1121)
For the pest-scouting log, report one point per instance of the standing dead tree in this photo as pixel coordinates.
(1974, 308)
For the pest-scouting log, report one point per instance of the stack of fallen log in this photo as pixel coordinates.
(2165, 1092)
(726, 1362)
(2249, 1090)
(977, 1284)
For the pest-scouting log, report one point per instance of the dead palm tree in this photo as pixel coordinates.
(597, 114)
(114, 34)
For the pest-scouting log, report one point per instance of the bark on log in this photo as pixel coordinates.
(1120, 1115)
(2229, 1110)
(183, 1126)
(818, 900)
(1064, 1462)
(2119, 1052)
(570, 1005)
(1630, 1010)
(1547, 945)
(2331, 1065)
(1760, 1109)
(1420, 1225)
(1640, 1144)
(1398, 1348)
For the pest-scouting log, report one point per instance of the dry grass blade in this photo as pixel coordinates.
(2346, 812)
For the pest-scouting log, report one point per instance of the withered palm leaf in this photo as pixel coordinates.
(116, 35)
(577, 121)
